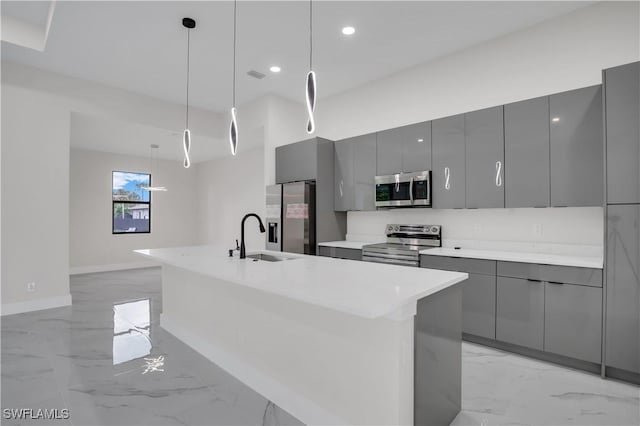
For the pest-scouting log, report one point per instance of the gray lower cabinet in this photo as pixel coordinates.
(354, 173)
(573, 321)
(526, 152)
(623, 287)
(404, 149)
(478, 291)
(448, 163)
(479, 306)
(484, 141)
(296, 162)
(340, 252)
(576, 147)
(622, 115)
(520, 312)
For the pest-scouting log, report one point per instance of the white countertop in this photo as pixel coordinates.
(346, 244)
(581, 261)
(582, 257)
(368, 290)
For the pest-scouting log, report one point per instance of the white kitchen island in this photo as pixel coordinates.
(331, 341)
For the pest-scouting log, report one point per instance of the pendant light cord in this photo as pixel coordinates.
(310, 34)
(188, 61)
(235, 14)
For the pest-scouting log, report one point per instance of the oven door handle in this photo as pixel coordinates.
(411, 190)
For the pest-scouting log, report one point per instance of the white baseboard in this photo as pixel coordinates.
(284, 397)
(35, 305)
(77, 270)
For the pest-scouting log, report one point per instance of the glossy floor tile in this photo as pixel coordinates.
(108, 362)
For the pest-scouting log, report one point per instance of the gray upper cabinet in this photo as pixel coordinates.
(354, 173)
(526, 147)
(344, 198)
(296, 162)
(404, 149)
(573, 321)
(484, 136)
(448, 163)
(576, 147)
(622, 109)
(623, 287)
(364, 165)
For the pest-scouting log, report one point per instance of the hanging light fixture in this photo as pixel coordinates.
(150, 188)
(233, 126)
(311, 78)
(189, 24)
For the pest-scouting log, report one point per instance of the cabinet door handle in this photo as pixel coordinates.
(447, 176)
(341, 193)
(555, 282)
(533, 281)
(498, 173)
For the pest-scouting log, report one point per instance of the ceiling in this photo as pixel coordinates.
(141, 46)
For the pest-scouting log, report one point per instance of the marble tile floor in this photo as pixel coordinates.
(108, 362)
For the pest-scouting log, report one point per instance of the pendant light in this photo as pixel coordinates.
(150, 188)
(189, 24)
(310, 87)
(233, 125)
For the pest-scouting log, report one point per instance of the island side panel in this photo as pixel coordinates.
(438, 358)
(320, 365)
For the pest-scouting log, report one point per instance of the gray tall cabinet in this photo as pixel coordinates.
(622, 121)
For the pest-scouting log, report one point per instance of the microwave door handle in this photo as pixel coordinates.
(411, 190)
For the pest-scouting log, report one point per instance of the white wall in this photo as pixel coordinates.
(35, 208)
(561, 54)
(557, 55)
(229, 188)
(92, 246)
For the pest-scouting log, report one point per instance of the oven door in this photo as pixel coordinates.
(393, 191)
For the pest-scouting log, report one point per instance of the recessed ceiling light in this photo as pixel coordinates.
(274, 68)
(555, 119)
(420, 140)
(348, 30)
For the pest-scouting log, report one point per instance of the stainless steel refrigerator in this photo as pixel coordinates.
(291, 217)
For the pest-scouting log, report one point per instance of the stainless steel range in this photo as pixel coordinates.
(403, 245)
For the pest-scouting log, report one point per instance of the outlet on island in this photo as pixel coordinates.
(31, 287)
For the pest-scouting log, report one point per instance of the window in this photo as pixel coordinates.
(131, 204)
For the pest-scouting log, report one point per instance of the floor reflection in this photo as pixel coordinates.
(131, 329)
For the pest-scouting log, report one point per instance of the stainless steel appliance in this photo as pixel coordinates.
(403, 245)
(404, 190)
(291, 217)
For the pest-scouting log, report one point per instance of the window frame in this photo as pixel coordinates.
(114, 202)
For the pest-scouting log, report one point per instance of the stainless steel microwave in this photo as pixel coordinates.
(404, 190)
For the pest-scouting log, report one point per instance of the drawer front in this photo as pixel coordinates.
(573, 321)
(520, 312)
(345, 253)
(325, 251)
(459, 264)
(340, 252)
(551, 273)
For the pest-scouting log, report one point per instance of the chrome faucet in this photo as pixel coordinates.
(243, 253)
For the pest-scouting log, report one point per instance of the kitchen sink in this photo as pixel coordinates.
(268, 257)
